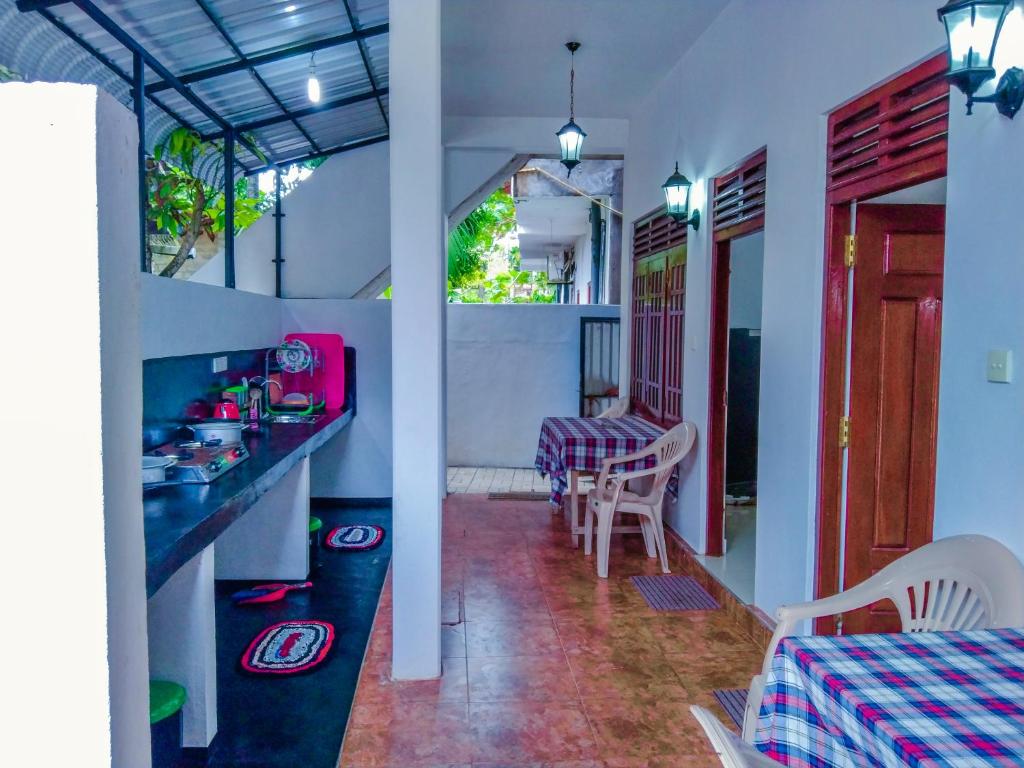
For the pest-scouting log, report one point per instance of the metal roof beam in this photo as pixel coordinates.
(326, 153)
(222, 30)
(307, 111)
(267, 57)
(354, 23)
(115, 31)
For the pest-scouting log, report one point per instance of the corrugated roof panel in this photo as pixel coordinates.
(377, 53)
(177, 32)
(237, 97)
(266, 25)
(369, 13)
(340, 126)
(340, 72)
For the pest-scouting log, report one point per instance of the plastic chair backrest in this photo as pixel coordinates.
(957, 583)
(618, 409)
(731, 750)
(670, 449)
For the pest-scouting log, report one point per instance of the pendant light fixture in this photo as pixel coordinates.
(571, 136)
(313, 84)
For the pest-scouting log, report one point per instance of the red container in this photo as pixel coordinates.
(332, 377)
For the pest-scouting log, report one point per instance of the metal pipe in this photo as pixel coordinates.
(278, 215)
(229, 210)
(139, 99)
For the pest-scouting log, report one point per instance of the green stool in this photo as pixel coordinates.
(165, 702)
(315, 524)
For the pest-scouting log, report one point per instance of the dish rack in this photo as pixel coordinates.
(298, 369)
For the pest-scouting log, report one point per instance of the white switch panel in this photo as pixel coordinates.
(1000, 366)
(220, 364)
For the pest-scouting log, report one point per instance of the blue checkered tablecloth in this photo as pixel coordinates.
(576, 443)
(921, 699)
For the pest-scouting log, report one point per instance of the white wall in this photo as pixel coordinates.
(810, 57)
(466, 169)
(357, 463)
(76, 269)
(509, 366)
(746, 261)
(334, 235)
(981, 451)
(180, 317)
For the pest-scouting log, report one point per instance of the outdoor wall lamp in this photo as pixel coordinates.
(972, 28)
(677, 199)
(571, 136)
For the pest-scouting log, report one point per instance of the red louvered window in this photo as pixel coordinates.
(658, 313)
(894, 136)
(738, 204)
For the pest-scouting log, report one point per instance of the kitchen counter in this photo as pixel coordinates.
(181, 521)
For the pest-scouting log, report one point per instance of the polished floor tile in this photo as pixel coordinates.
(545, 665)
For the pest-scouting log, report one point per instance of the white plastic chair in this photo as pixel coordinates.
(611, 495)
(731, 750)
(618, 409)
(958, 583)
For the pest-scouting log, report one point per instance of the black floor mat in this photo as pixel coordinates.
(298, 720)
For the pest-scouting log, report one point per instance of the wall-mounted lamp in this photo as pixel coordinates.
(677, 199)
(972, 29)
(571, 136)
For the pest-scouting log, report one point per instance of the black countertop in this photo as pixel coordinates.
(181, 521)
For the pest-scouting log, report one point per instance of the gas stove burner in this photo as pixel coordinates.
(201, 462)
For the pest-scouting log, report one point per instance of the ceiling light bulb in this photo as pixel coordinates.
(313, 85)
(290, 8)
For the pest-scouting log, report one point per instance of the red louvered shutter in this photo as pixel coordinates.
(739, 197)
(658, 304)
(891, 137)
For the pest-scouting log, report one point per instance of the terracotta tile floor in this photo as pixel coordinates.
(545, 665)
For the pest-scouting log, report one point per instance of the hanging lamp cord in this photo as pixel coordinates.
(572, 86)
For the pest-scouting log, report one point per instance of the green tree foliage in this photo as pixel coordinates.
(184, 205)
(478, 237)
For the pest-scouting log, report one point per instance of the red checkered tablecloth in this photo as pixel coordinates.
(922, 699)
(575, 443)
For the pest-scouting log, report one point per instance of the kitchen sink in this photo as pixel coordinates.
(292, 418)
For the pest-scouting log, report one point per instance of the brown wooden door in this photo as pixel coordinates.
(894, 387)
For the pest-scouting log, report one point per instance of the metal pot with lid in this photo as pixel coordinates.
(217, 431)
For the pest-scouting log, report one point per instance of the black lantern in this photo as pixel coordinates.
(677, 199)
(570, 135)
(972, 30)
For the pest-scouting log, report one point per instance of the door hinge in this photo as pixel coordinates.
(844, 432)
(850, 251)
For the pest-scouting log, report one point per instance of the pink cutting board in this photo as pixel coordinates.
(332, 348)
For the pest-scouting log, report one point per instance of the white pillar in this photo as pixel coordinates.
(72, 551)
(418, 280)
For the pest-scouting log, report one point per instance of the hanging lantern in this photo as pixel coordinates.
(677, 199)
(972, 31)
(571, 136)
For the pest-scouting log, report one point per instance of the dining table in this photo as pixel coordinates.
(570, 447)
(903, 699)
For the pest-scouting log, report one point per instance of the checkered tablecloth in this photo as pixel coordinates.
(568, 443)
(922, 699)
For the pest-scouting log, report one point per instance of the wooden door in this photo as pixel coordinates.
(894, 387)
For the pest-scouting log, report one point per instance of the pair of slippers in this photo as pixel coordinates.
(290, 647)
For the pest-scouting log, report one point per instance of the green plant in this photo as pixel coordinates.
(479, 237)
(186, 206)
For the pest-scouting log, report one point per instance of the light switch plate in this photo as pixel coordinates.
(220, 364)
(1000, 366)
